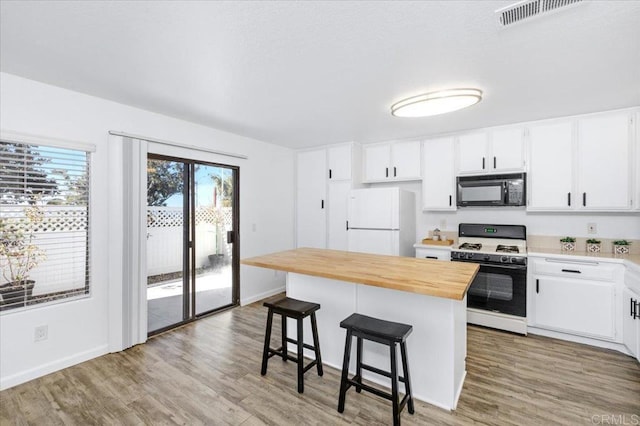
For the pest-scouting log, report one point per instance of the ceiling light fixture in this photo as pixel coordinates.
(435, 103)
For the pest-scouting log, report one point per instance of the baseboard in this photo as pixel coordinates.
(264, 295)
(579, 339)
(51, 367)
(459, 390)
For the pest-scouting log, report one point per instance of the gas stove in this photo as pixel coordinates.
(494, 244)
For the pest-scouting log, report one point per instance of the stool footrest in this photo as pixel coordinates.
(380, 372)
(371, 389)
(278, 352)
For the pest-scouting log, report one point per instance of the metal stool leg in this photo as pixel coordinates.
(407, 380)
(300, 357)
(316, 343)
(345, 372)
(284, 337)
(394, 385)
(267, 341)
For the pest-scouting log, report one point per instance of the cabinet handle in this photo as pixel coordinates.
(482, 163)
(431, 257)
(494, 162)
(322, 204)
(569, 199)
(394, 171)
(386, 172)
(573, 271)
(450, 199)
(584, 199)
(347, 225)
(537, 286)
(329, 173)
(632, 310)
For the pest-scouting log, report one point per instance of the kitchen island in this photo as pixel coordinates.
(429, 295)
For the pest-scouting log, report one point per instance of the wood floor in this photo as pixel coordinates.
(208, 372)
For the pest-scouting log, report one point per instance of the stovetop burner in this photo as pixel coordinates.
(470, 246)
(507, 249)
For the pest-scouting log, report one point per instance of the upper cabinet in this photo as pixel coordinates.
(604, 161)
(493, 151)
(339, 159)
(397, 161)
(438, 176)
(583, 164)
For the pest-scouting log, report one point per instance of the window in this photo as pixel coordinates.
(44, 224)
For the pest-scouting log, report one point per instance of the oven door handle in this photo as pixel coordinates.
(514, 267)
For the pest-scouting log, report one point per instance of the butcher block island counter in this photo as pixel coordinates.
(427, 294)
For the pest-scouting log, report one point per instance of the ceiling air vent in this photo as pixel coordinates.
(528, 9)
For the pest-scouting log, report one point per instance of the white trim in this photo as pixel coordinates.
(176, 144)
(12, 136)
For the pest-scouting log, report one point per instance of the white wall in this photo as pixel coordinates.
(79, 330)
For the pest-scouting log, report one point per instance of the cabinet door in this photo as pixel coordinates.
(339, 162)
(472, 152)
(376, 162)
(507, 150)
(603, 162)
(575, 306)
(337, 214)
(630, 324)
(311, 220)
(438, 179)
(434, 253)
(405, 160)
(551, 167)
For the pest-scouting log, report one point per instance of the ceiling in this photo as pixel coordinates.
(308, 73)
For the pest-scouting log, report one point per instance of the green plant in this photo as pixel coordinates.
(568, 240)
(621, 243)
(593, 241)
(18, 252)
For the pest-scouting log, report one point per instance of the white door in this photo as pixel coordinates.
(603, 162)
(472, 152)
(311, 219)
(551, 167)
(337, 214)
(339, 162)
(405, 158)
(507, 146)
(373, 208)
(438, 180)
(630, 325)
(376, 162)
(374, 241)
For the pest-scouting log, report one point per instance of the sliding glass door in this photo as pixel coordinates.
(192, 254)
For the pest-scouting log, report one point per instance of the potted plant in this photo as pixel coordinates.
(18, 256)
(621, 246)
(593, 245)
(568, 243)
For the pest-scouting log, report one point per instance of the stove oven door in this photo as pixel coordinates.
(499, 289)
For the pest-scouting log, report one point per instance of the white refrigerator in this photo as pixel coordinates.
(381, 221)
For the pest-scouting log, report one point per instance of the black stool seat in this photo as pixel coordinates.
(298, 310)
(387, 333)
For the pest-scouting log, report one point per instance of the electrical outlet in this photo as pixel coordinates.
(592, 228)
(40, 333)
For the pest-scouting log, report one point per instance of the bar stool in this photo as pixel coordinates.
(298, 310)
(387, 333)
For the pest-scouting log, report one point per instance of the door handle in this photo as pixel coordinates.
(494, 162)
(431, 257)
(482, 163)
(347, 225)
(450, 199)
(394, 171)
(584, 199)
(537, 286)
(386, 172)
(329, 173)
(573, 271)
(568, 198)
(322, 204)
(230, 237)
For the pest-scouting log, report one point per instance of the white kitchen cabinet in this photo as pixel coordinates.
(339, 159)
(493, 151)
(550, 179)
(324, 177)
(604, 160)
(438, 174)
(433, 252)
(338, 193)
(574, 297)
(311, 216)
(397, 161)
(631, 312)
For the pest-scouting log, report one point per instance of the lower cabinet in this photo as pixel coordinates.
(631, 313)
(575, 298)
(423, 252)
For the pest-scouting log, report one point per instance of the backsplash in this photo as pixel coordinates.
(553, 242)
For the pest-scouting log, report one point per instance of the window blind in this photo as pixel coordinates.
(44, 224)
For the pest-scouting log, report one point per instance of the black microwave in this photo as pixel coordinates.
(507, 190)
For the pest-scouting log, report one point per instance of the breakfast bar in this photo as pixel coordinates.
(428, 294)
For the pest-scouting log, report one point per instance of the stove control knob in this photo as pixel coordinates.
(504, 259)
(486, 257)
(514, 260)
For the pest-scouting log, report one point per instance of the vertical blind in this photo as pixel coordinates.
(44, 224)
